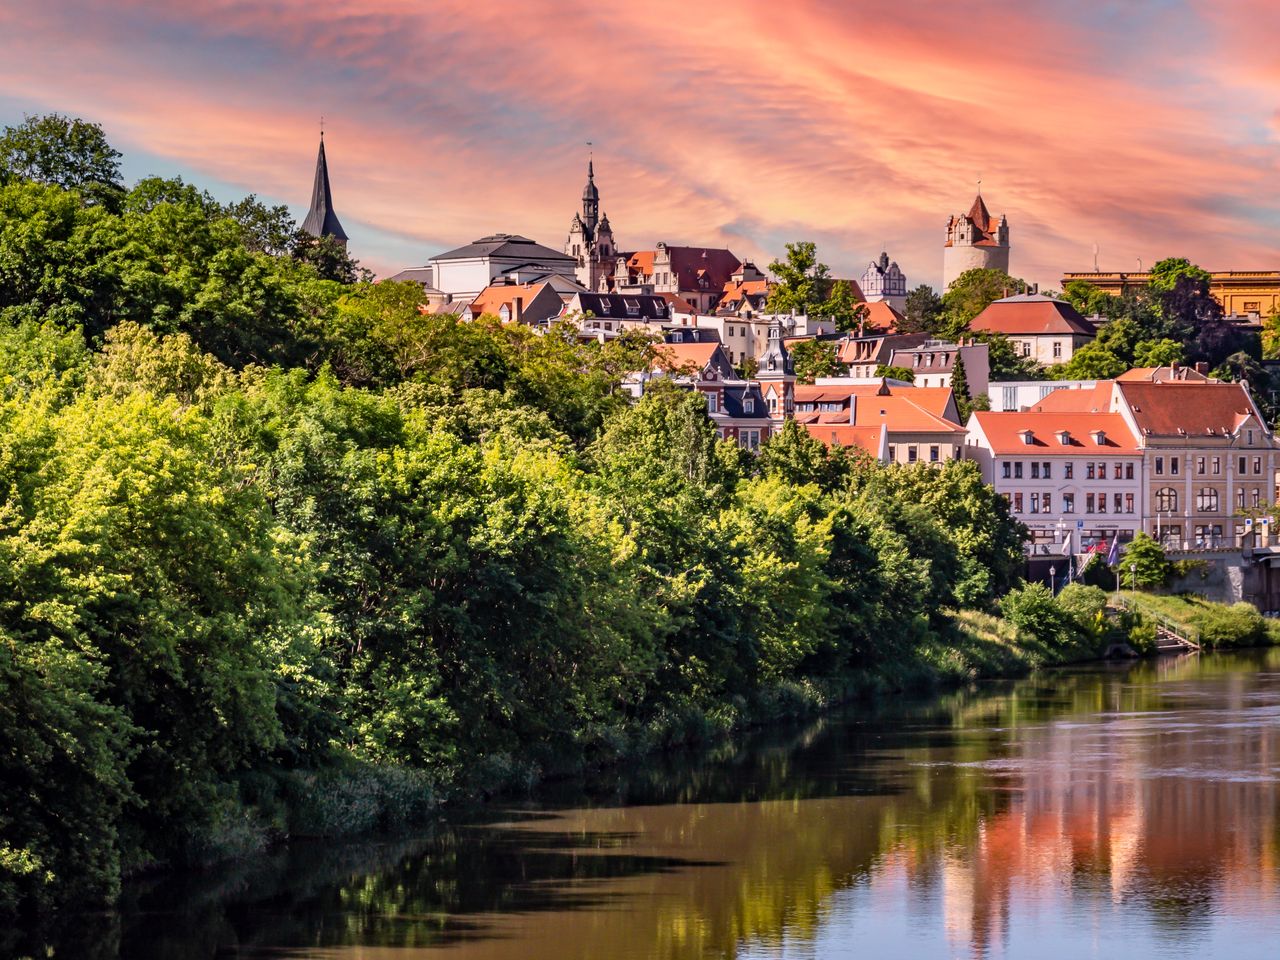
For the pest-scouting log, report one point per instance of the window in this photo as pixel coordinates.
(1252, 306)
(1068, 503)
(1167, 500)
(1046, 470)
(1035, 469)
(1102, 503)
(1035, 503)
(1173, 465)
(712, 403)
(749, 439)
(913, 453)
(1217, 466)
(1128, 503)
(1057, 349)
(1119, 470)
(1089, 470)
(1017, 470)
(1207, 500)
(893, 455)
(1251, 438)
(1257, 498)
(1006, 470)
(1088, 503)
(1240, 498)
(934, 454)
(1026, 348)
(1068, 470)
(1243, 464)
(1257, 465)
(1128, 471)
(1200, 466)
(1017, 503)
(1117, 502)
(1159, 466)
(1046, 503)
(1102, 470)
(749, 405)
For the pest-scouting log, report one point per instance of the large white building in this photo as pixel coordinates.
(883, 281)
(462, 273)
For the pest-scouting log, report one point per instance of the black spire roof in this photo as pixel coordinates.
(321, 220)
(589, 192)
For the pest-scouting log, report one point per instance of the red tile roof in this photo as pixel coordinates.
(1096, 399)
(1177, 408)
(492, 298)
(1032, 315)
(901, 415)
(678, 356)
(1004, 433)
(882, 317)
(866, 438)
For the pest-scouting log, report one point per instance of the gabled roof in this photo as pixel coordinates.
(1095, 399)
(494, 297)
(1174, 372)
(321, 221)
(988, 226)
(849, 347)
(678, 356)
(1031, 315)
(900, 414)
(1005, 434)
(508, 246)
(1174, 409)
(870, 439)
(736, 393)
(882, 316)
(692, 265)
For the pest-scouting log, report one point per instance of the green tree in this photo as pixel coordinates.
(923, 310)
(798, 458)
(815, 358)
(960, 388)
(60, 151)
(841, 307)
(1157, 353)
(1153, 568)
(905, 374)
(1003, 362)
(1165, 274)
(802, 280)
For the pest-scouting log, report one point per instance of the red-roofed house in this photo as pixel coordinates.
(919, 425)
(1048, 331)
(531, 303)
(697, 274)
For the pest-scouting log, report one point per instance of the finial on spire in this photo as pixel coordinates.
(979, 185)
(322, 126)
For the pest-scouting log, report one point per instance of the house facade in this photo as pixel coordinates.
(1047, 330)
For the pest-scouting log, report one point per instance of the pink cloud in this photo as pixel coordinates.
(743, 125)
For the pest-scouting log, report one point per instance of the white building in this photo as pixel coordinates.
(884, 282)
(1013, 395)
(1047, 330)
(464, 272)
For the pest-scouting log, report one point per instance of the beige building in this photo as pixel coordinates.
(1047, 330)
(1242, 293)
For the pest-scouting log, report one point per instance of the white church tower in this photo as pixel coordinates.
(975, 240)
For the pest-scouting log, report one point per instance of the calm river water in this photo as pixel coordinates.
(1127, 812)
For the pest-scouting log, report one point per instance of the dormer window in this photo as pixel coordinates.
(749, 405)
(1028, 436)
(632, 307)
(1099, 437)
(604, 306)
(1064, 437)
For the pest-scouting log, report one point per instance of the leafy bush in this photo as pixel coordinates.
(1033, 609)
(1239, 625)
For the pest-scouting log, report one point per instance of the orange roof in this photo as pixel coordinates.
(677, 303)
(642, 262)
(901, 415)
(983, 220)
(866, 438)
(675, 356)
(736, 289)
(494, 297)
(1032, 315)
(883, 317)
(934, 399)
(1175, 372)
(1095, 399)
(1166, 408)
(1005, 437)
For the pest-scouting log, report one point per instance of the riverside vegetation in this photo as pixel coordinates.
(282, 556)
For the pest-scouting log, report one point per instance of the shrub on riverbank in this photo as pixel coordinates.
(1214, 625)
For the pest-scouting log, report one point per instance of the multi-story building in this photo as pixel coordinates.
(1253, 294)
(777, 376)
(1047, 330)
(975, 240)
(1203, 460)
(1012, 395)
(531, 303)
(611, 313)
(697, 274)
(933, 363)
(590, 240)
(461, 274)
(864, 354)
(918, 424)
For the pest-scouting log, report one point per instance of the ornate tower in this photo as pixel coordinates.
(776, 375)
(590, 240)
(884, 280)
(975, 240)
(321, 221)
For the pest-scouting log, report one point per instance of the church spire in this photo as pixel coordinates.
(321, 220)
(591, 200)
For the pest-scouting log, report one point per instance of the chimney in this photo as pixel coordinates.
(1202, 367)
(519, 311)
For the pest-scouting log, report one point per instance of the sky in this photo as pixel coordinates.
(1150, 128)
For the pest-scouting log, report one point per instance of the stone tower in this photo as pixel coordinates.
(590, 240)
(975, 240)
(884, 280)
(321, 220)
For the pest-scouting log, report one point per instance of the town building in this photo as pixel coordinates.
(736, 407)
(321, 221)
(461, 274)
(746, 294)
(590, 240)
(884, 282)
(864, 354)
(880, 316)
(934, 361)
(975, 240)
(530, 303)
(696, 274)
(1047, 330)
(1251, 294)
(919, 425)
(1012, 395)
(612, 313)
(777, 376)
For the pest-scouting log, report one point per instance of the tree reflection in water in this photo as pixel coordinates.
(1127, 809)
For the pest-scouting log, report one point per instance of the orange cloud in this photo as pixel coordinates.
(745, 124)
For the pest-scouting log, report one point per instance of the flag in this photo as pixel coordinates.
(1066, 544)
(1113, 555)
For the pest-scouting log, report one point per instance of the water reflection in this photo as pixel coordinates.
(1115, 812)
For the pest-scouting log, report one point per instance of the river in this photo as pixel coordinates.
(1126, 812)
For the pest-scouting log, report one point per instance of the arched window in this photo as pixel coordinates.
(1167, 500)
(1207, 500)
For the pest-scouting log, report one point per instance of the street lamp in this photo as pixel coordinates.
(1053, 583)
(1133, 570)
